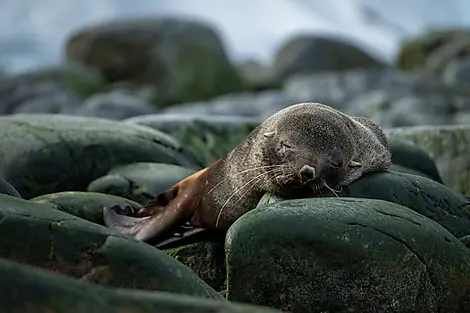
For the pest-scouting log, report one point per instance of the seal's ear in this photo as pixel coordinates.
(269, 134)
(353, 163)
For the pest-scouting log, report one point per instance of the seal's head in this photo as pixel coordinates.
(315, 146)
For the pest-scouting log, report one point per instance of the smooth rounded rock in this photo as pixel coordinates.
(41, 235)
(86, 205)
(44, 154)
(347, 254)
(140, 182)
(7, 189)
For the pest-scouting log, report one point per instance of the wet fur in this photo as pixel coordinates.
(340, 147)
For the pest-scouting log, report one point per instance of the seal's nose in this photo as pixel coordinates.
(307, 173)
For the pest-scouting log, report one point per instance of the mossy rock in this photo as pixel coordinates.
(346, 254)
(48, 153)
(184, 60)
(409, 157)
(86, 205)
(140, 182)
(206, 258)
(208, 137)
(415, 51)
(33, 290)
(448, 146)
(41, 235)
(418, 193)
(7, 189)
(312, 53)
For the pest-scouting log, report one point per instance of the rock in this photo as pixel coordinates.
(51, 239)
(416, 50)
(254, 104)
(7, 189)
(51, 153)
(115, 105)
(407, 154)
(314, 53)
(407, 170)
(448, 146)
(347, 254)
(442, 56)
(257, 76)
(208, 137)
(206, 258)
(32, 290)
(86, 205)
(457, 72)
(184, 59)
(416, 192)
(140, 182)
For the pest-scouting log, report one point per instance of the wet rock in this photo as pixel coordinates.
(7, 189)
(208, 137)
(44, 154)
(140, 182)
(86, 205)
(206, 258)
(114, 105)
(32, 290)
(347, 254)
(415, 51)
(409, 155)
(448, 146)
(184, 59)
(313, 53)
(55, 240)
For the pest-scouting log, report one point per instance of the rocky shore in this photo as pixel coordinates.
(140, 104)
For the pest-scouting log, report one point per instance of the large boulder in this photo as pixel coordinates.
(448, 146)
(33, 290)
(42, 235)
(314, 53)
(184, 60)
(347, 254)
(44, 154)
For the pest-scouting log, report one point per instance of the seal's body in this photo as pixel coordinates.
(304, 150)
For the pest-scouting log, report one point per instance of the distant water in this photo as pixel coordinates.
(32, 33)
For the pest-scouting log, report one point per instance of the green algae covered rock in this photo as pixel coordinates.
(39, 234)
(48, 153)
(33, 290)
(418, 193)
(346, 254)
(183, 60)
(140, 182)
(86, 205)
(448, 146)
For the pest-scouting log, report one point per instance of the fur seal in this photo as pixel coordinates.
(304, 150)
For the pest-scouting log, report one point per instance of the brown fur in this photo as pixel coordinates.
(340, 149)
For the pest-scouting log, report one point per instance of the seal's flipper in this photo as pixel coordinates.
(161, 214)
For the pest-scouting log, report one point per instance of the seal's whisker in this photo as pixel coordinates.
(236, 191)
(331, 189)
(245, 171)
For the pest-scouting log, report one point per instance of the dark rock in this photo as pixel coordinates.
(257, 76)
(140, 182)
(409, 155)
(457, 72)
(208, 137)
(314, 53)
(115, 105)
(33, 290)
(44, 154)
(86, 205)
(338, 255)
(438, 60)
(449, 146)
(185, 60)
(416, 50)
(41, 235)
(7, 189)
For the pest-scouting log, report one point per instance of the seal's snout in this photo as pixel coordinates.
(307, 173)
